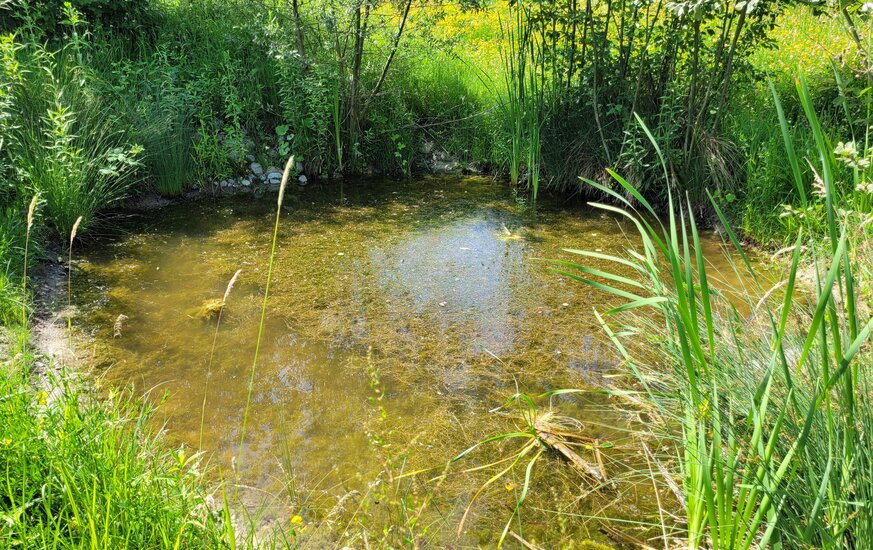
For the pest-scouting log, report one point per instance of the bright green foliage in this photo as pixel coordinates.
(12, 237)
(360, 88)
(49, 15)
(100, 100)
(60, 140)
(773, 407)
(83, 472)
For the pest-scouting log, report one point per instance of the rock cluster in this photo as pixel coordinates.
(257, 179)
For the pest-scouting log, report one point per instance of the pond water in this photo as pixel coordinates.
(431, 292)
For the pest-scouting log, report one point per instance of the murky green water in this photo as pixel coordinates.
(417, 281)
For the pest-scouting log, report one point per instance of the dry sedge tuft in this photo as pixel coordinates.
(285, 175)
(30, 211)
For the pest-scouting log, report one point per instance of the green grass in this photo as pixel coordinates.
(13, 236)
(98, 115)
(63, 142)
(768, 413)
(81, 470)
(168, 155)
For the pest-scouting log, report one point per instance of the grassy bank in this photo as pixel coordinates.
(761, 409)
(104, 100)
(85, 470)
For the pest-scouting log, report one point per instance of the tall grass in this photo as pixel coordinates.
(83, 468)
(212, 353)
(523, 103)
(242, 438)
(13, 238)
(79, 471)
(769, 413)
(62, 140)
(73, 233)
(31, 209)
(168, 151)
(514, 57)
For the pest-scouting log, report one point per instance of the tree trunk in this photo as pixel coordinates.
(362, 14)
(572, 63)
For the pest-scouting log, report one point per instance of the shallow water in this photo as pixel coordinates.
(436, 285)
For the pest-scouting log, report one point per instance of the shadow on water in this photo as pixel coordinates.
(438, 278)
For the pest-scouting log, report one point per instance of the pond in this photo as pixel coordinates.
(400, 316)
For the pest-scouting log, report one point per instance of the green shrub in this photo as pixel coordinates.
(48, 15)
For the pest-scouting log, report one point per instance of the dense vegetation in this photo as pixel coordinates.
(766, 420)
(755, 115)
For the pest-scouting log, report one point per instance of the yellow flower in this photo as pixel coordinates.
(297, 520)
(510, 486)
(7, 442)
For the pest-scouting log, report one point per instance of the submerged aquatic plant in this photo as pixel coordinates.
(541, 431)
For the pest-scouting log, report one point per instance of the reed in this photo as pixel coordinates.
(514, 57)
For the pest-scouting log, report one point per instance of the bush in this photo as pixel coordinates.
(48, 16)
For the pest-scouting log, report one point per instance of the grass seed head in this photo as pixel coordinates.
(30, 211)
(285, 175)
(75, 230)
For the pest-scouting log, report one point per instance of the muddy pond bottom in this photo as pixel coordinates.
(400, 316)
